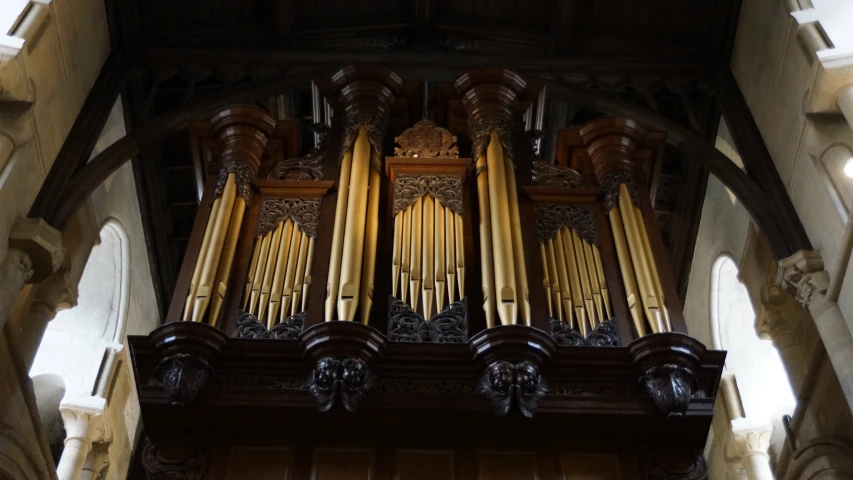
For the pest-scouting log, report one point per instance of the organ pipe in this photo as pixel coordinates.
(338, 236)
(354, 230)
(522, 293)
(371, 233)
(208, 231)
(415, 255)
(440, 262)
(224, 268)
(486, 255)
(505, 284)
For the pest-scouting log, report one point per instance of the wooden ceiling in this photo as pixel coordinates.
(650, 30)
(657, 54)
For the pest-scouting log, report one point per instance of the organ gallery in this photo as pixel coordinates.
(432, 299)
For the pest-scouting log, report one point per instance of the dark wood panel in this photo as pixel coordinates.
(591, 467)
(424, 465)
(506, 466)
(259, 463)
(343, 464)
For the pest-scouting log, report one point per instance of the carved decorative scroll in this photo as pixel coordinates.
(309, 167)
(610, 184)
(248, 326)
(546, 175)
(604, 335)
(244, 178)
(185, 460)
(551, 217)
(426, 139)
(183, 376)
(565, 335)
(448, 326)
(481, 130)
(303, 211)
(671, 387)
(447, 189)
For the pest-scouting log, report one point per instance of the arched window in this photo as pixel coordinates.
(49, 390)
(80, 344)
(763, 383)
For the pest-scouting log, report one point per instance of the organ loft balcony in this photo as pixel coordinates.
(423, 279)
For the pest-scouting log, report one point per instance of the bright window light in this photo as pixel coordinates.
(848, 167)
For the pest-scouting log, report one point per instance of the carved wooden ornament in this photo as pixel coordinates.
(426, 139)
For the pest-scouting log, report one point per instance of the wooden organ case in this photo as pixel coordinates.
(362, 314)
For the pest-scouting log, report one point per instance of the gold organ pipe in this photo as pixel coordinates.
(638, 258)
(273, 305)
(567, 281)
(450, 248)
(205, 242)
(593, 280)
(440, 277)
(256, 251)
(583, 273)
(428, 255)
(460, 254)
(522, 290)
(338, 236)
(259, 272)
(546, 281)
(269, 272)
(368, 270)
(395, 263)
(353, 251)
(505, 286)
(602, 282)
(214, 251)
(406, 259)
(632, 294)
(415, 256)
(653, 270)
(486, 264)
(306, 282)
(565, 236)
(224, 270)
(556, 287)
(290, 273)
(299, 280)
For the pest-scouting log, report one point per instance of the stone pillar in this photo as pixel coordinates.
(803, 276)
(752, 441)
(35, 252)
(80, 427)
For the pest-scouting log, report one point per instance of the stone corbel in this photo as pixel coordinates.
(802, 275)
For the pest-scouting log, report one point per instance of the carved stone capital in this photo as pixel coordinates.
(179, 459)
(749, 439)
(508, 385)
(83, 420)
(802, 275)
(673, 463)
(340, 379)
(41, 243)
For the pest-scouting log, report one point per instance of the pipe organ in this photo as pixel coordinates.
(493, 266)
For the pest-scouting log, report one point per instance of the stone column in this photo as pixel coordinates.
(80, 427)
(803, 276)
(752, 442)
(845, 104)
(59, 292)
(35, 252)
